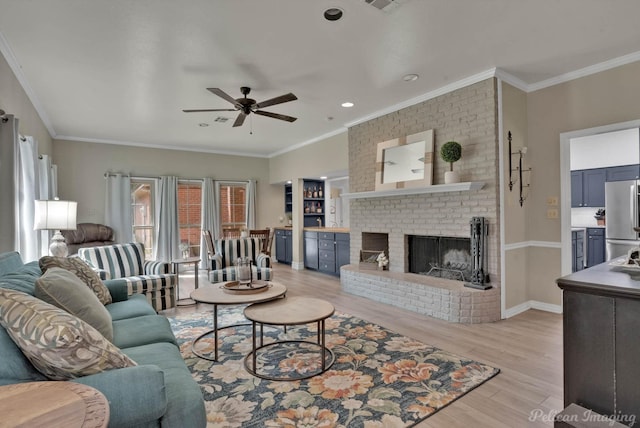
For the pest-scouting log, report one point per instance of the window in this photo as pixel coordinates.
(189, 216)
(232, 206)
(142, 202)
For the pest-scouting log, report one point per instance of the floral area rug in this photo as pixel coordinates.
(379, 378)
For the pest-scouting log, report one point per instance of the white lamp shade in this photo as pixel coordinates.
(55, 215)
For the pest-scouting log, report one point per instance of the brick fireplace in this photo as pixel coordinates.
(469, 116)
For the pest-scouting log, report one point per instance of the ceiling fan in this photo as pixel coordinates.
(246, 106)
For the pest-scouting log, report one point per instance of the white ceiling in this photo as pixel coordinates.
(121, 71)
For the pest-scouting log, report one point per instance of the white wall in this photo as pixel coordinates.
(608, 149)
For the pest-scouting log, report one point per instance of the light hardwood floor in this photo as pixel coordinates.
(527, 348)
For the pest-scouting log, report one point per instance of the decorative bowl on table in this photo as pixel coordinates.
(237, 287)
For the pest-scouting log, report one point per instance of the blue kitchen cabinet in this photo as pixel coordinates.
(622, 173)
(595, 246)
(587, 187)
(577, 250)
(284, 245)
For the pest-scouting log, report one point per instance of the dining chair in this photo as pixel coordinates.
(210, 248)
(264, 235)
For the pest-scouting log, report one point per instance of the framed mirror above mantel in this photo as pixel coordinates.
(405, 162)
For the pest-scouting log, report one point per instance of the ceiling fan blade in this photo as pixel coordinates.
(239, 120)
(277, 100)
(276, 115)
(208, 109)
(222, 94)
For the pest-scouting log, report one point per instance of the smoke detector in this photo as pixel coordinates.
(384, 5)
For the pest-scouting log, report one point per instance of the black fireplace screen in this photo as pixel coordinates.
(440, 256)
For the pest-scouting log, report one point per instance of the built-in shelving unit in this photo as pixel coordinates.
(313, 202)
(288, 199)
(436, 188)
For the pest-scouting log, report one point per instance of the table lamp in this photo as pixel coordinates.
(56, 215)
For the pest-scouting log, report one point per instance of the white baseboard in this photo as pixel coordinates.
(532, 304)
(297, 265)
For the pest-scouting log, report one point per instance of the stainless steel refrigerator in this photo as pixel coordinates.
(621, 205)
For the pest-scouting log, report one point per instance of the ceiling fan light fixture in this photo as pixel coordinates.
(333, 14)
(347, 104)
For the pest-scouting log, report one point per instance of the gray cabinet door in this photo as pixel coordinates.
(342, 250)
(311, 250)
(589, 351)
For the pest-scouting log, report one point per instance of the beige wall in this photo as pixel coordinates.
(14, 100)
(604, 98)
(514, 119)
(81, 168)
(326, 157)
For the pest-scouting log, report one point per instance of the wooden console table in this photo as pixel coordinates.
(52, 404)
(602, 339)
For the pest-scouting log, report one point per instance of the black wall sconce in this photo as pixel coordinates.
(518, 168)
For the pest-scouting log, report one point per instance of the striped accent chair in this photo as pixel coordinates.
(229, 250)
(126, 262)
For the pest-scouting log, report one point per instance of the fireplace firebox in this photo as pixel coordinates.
(440, 256)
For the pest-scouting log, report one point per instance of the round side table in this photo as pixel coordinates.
(176, 268)
(289, 311)
(48, 404)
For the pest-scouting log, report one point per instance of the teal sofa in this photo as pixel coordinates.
(159, 391)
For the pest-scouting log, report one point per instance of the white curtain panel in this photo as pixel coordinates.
(28, 192)
(167, 230)
(47, 174)
(251, 205)
(118, 207)
(8, 178)
(20, 189)
(210, 216)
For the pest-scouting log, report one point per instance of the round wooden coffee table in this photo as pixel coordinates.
(215, 294)
(290, 311)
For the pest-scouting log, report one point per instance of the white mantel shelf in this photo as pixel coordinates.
(436, 188)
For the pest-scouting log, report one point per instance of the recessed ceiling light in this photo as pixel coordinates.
(347, 104)
(333, 14)
(324, 177)
(288, 181)
(203, 125)
(410, 77)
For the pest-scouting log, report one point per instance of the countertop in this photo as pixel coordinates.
(586, 227)
(605, 280)
(328, 229)
(319, 229)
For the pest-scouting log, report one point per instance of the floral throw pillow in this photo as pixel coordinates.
(58, 344)
(82, 270)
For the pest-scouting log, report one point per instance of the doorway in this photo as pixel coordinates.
(565, 182)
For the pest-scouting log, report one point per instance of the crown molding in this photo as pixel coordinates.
(586, 71)
(158, 146)
(14, 65)
(308, 142)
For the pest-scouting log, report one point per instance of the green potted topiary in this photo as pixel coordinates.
(451, 152)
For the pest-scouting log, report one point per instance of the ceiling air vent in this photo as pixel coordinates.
(221, 119)
(384, 5)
